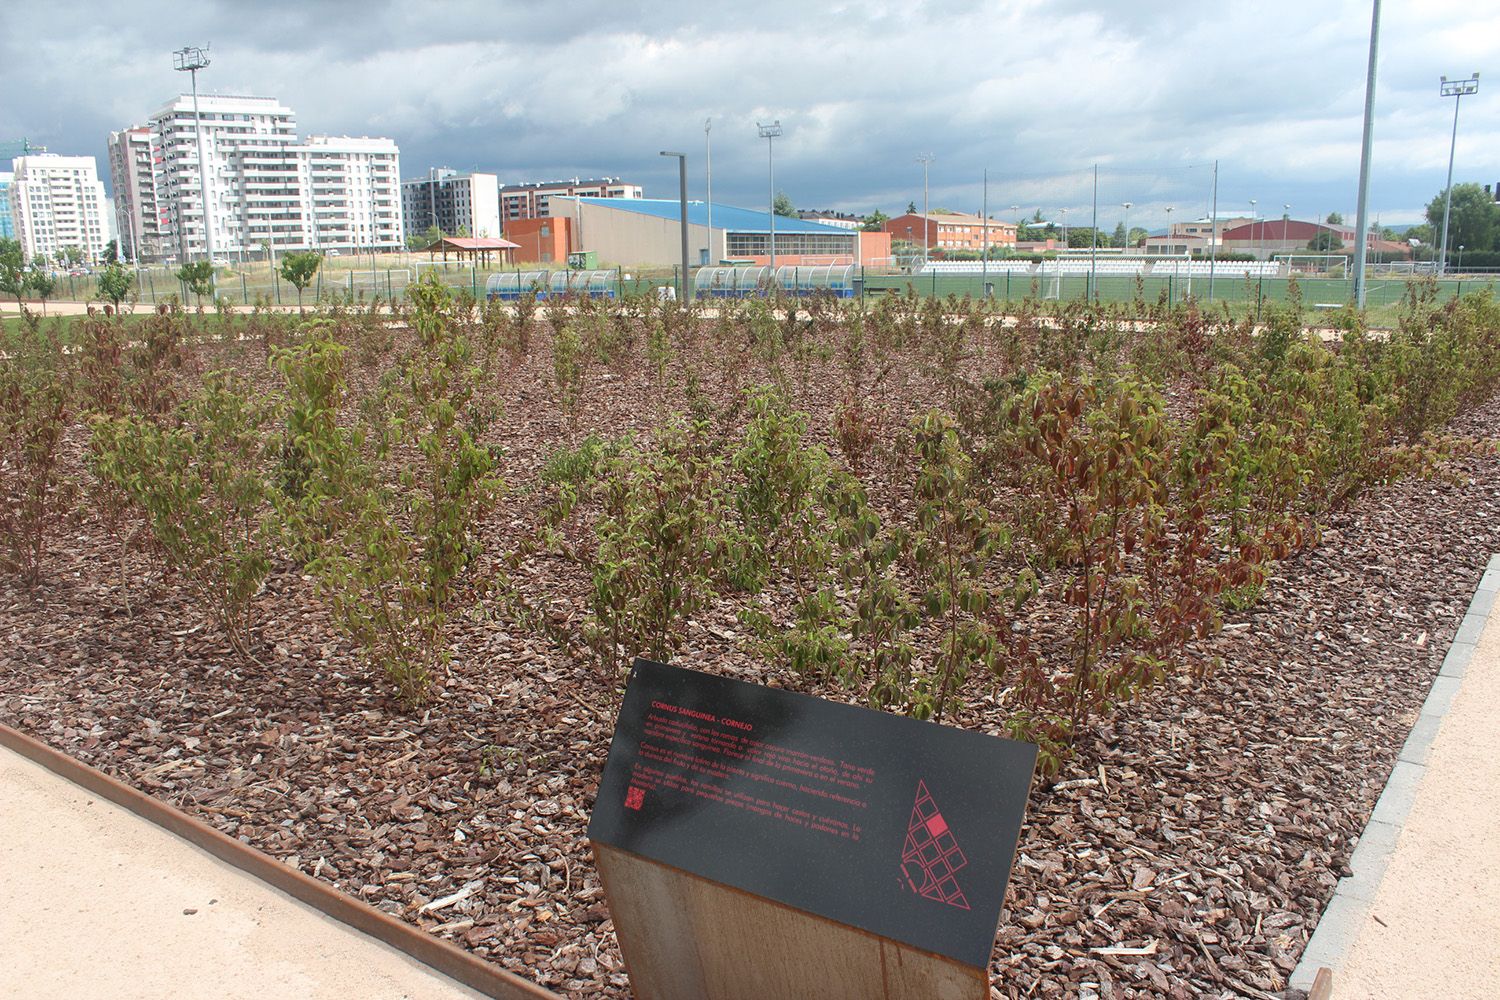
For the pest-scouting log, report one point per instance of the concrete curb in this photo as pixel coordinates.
(1345, 915)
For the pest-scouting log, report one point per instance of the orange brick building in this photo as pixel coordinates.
(951, 232)
(547, 240)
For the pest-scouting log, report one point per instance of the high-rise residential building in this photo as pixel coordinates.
(457, 204)
(530, 201)
(7, 224)
(57, 202)
(351, 192)
(265, 186)
(131, 180)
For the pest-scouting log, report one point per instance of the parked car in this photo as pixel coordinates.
(334, 252)
(221, 262)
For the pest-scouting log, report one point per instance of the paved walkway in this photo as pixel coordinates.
(99, 904)
(1420, 917)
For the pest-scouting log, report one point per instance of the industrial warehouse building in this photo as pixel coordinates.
(645, 231)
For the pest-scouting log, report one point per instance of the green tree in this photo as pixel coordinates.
(115, 283)
(1137, 235)
(1327, 241)
(41, 282)
(198, 276)
(299, 269)
(784, 206)
(874, 222)
(111, 251)
(1119, 237)
(1335, 219)
(73, 255)
(12, 269)
(1473, 222)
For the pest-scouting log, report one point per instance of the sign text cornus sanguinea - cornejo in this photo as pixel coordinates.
(901, 828)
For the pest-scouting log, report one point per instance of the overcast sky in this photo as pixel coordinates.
(1037, 92)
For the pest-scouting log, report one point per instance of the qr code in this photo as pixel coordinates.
(635, 797)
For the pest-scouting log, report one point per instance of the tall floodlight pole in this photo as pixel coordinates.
(682, 280)
(769, 133)
(984, 239)
(1093, 288)
(925, 159)
(1065, 229)
(190, 59)
(1253, 228)
(708, 198)
(1362, 214)
(1286, 228)
(1126, 205)
(1456, 89)
(1213, 233)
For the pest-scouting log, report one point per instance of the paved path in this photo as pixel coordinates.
(99, 904)
(1420, 917)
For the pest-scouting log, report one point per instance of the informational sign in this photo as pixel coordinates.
(904, 829)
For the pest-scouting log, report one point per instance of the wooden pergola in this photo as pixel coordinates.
(474, 248)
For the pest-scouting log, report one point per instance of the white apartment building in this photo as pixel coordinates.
(351, 193)
(131, 179)
(56, 202)
(457, 204)
(530, 201)
(266, 187)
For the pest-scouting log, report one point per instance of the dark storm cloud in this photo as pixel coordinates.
(1037, 92)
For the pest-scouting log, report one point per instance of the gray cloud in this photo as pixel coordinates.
(1036, 92)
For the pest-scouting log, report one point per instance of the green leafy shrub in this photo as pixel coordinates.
(203, 488)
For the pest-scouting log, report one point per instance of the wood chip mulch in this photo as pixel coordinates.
(1204, 828)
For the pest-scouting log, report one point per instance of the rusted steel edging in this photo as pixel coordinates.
(450, 960)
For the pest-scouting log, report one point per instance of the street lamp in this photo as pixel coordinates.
(1065, 229)
(925, 159)
(1456, 89)
(1126, 205)
(190, 59)
(682, 183)
(1460, 258)
(769, 133)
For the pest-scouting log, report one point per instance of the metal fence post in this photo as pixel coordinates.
(244, 292)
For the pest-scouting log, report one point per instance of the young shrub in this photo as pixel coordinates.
(36, 407)
(954, 541)
(782, 480)
(203, 489)
(389, 558)
(883, 615)
(1096, 494)
(657, 550)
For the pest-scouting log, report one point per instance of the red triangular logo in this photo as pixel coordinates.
(931, 856)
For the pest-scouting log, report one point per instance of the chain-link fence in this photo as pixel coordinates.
(260, 284)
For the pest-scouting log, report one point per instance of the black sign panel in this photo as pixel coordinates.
(902, 828)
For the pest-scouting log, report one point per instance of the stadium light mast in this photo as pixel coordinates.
(1362, 213)
(769, 133)
(708, 198)
(1126, 205)
(1252, 227)
(1458, 90)
(925, 159)
(190, 59)
(682, 183)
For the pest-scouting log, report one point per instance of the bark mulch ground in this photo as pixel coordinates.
(1206, 825)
